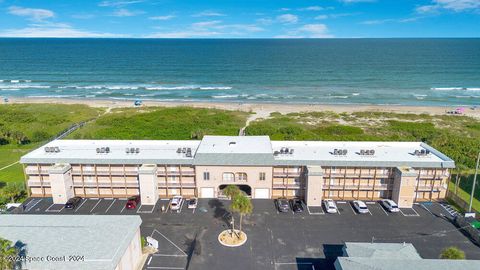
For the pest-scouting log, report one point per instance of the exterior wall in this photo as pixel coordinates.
(339, 183)
(288, 182)
(314, 192)
(147, 178)
(352, 183)
(216, 177)
(133, 255)
(61, 183)
(176, 180)
(404, 186)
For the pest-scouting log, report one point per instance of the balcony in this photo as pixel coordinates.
(286, 174)
(286, 186)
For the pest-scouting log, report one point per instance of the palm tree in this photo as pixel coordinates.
(242, 205)
(6, 251)
(13, 191)
(452, 253)
(231, 191)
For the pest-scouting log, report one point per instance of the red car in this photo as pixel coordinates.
(133, 202)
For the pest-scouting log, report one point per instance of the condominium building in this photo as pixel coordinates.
(313, 170)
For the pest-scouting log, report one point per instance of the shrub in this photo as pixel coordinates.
(452, 253)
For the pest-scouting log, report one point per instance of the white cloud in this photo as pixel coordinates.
(162, 18)
(315, 30)
(209, 29)
(321, 17)
(356, 1)
(208, 13)
(33, 14)
(312, 8)
(119, 3)
(284, 9)
(308, 31)
(55, 31)
(405, 20)
(265, 21)
(287, 18)
(123, 12)
(450, 5)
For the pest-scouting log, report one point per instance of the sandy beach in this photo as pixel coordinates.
(261, 110)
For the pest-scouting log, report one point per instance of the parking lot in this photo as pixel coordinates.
(308, 240)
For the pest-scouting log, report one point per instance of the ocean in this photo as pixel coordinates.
(425, 72)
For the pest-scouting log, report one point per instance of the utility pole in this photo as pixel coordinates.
(474, 183)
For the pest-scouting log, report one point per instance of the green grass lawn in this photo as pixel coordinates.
(465, 196)
(181, 123)
(37, 123)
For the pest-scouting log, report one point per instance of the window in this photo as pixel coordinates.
(206, 176)
(228, 177)
(262, 176)
(241, 177)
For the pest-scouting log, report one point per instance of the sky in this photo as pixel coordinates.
(240, 18)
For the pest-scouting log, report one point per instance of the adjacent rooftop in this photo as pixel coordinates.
(101, 239)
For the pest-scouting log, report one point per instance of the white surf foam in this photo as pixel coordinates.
(225, 96)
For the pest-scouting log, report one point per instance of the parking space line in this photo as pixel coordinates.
(164, 267)
(95, 206)
(320, 213)
(84, 201)
(351, 207)
(31, 207)
(122, 209)
(383, 210)
(110, 205)
(149, 260)
(342, 202)
(56, 211)
(415, 212)
(169, 255)
(369, 212)
(370, 202)
(155, 230)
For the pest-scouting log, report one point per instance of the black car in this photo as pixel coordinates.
(282, 205)
(73, 203)
(297, 205)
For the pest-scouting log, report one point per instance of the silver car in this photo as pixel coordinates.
(330, 206)
(361, 207)
(390, 205)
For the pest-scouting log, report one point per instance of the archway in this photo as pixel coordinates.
(245, 188)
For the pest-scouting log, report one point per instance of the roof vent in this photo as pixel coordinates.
(422, 152)
(340, 152)
(52, 149)
(367, 152)
(232, 143)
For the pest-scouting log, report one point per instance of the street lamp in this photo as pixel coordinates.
(474, 184)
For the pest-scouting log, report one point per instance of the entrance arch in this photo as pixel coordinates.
(245, 188)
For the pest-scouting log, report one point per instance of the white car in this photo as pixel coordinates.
(176, 203)
(390, 205)
(330, 206)
(192, 203)
(361, 207)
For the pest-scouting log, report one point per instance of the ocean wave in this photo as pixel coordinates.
(10, 89)
(216, 88)
(355, 94)
(455, 88)
(15, 81)
(24, 86)
(226, 96)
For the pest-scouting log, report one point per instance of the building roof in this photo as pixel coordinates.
(394, 256)
(234, 150)
(85, 151)
(242, 150)
(381, 250)
(101, 239)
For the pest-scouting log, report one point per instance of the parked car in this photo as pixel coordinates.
(176, 203)
(133, 202)
(297, 205)
(330, 206)
(282, 205)
(360, 206)
(390, 205)
(192, 203)
(72, 203)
